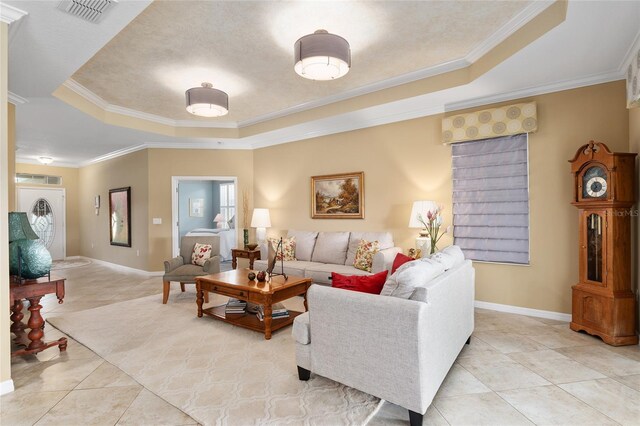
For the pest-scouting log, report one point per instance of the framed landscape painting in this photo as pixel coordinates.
(338, 196)
(120, 217)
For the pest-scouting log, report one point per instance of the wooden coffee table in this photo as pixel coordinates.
(236, 284)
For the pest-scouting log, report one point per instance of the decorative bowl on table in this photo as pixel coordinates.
(252, 246)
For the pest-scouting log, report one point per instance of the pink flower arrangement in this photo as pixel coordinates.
(432, 226)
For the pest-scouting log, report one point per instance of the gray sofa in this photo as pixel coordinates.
(398, 349)
(319, 254)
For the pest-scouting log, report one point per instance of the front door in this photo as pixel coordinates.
(46, 212)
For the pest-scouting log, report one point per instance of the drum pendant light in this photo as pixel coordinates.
(322, 56)
(206, 101)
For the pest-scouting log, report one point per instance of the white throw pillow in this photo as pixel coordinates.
(411, 275)
(449, 257)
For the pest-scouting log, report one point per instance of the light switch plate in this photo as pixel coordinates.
(157, 221)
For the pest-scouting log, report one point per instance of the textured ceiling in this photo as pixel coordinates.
(246, 49)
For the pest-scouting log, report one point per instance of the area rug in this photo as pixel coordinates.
(69, 263)
(215, 372)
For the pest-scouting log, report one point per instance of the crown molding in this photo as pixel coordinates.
(630, 55)
(10, 14)
(513, 25)
(114, 154)
(535, 91)
(55, 163)
(16, 99)
(78, 88)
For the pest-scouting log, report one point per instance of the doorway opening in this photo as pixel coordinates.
(205, 205)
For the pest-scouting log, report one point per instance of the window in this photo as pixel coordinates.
(491, 199)
(227, 200)
(38, 179)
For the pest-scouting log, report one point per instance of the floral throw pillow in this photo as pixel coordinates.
(201, 253)
(288, 248)
(364, 254)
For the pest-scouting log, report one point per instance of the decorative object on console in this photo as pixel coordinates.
(219, 221)
(28, 257)
(120, 217)
(603, 303)
(414, 253)
(322, 56)
(206, 101)
(339, 196)
(428, 215)
(261, 221)
(245, 217)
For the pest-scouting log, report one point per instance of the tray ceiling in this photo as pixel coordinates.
(246, 49)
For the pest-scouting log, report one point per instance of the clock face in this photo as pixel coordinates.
(594, 183)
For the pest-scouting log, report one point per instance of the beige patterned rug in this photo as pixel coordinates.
(215, 372)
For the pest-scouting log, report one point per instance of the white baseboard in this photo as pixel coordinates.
(6, 387)
(559, 316)
(124, 268)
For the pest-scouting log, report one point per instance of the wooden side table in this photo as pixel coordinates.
(33, 291)
(244, 254)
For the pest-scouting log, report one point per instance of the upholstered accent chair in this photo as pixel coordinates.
(180, 269)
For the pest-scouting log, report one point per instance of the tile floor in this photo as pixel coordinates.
(517, 370)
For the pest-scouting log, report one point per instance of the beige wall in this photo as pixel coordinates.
(11, 169)
(70, 183)
(165, 163)
(405, 161)
(97, 179)
(634, 146)
(5, 154)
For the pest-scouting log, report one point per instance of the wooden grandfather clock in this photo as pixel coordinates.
(602, 302)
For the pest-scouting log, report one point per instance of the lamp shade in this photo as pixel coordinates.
(260, 218)
(322, 56)
(206, 101)
(420, 207)
(20, 228)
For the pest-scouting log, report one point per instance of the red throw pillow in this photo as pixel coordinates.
(364, 283)
(400, 260)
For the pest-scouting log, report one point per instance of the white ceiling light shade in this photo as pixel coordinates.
(322, 56)
(45, 160)
(206, 101)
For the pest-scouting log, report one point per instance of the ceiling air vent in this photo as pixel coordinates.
(89, 10)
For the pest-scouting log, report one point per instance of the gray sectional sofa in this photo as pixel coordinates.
(318, 254)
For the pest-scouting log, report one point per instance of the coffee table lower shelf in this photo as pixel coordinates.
(248, 320)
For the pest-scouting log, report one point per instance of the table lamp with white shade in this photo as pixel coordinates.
(423, 242)
(219, 220)
(261, 221)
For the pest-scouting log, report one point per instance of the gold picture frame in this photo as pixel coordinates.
(338, 196)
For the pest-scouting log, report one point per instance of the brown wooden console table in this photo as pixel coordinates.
(33, 291)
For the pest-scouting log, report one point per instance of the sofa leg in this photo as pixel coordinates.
(468, 342)
(182, 287)
(415, 419)
(165, 291)
(303, 374)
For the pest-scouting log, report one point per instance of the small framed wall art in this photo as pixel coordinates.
(339, 196)
(120, 217)
(196, 207)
